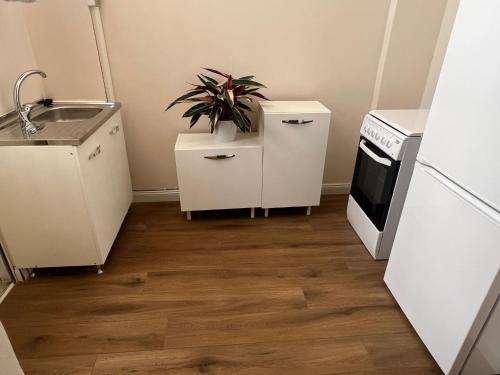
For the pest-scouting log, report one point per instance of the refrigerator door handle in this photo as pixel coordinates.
(478, 204)
(374, 156)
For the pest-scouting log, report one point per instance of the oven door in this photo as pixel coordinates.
(373, 182)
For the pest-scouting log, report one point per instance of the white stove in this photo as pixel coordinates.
(387, 152)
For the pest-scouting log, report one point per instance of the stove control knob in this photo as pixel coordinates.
(382, 140)
(389, 144)
(377, 136)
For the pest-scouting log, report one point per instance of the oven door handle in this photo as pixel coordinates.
(374, 156)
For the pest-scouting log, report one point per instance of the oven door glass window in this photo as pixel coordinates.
(373, 182)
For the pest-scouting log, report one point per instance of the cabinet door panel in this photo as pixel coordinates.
(107, 190)
(120, 174)
(206, 184)
(43, 217)
(294, 159)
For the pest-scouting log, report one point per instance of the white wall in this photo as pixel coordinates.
(327, 50)
(64, 46)
(439, 52)
(412, 42)
(17, 56)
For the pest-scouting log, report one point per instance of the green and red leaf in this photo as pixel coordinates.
(183, 97)
(258, 95)
(216, 72)
(198, 108)
(248, 83)
(226, 100)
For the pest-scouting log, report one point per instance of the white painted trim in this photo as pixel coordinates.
(172, 195)
(6, 292)
(142, 196)
(337, 188)
(391, 15)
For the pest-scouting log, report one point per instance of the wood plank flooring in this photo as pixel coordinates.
(222, 294)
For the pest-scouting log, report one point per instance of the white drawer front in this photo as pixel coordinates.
(231, 182)
(294, 159)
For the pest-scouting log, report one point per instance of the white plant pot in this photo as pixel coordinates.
(225, 131)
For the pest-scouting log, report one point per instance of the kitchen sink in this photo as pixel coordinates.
(64, 123)
(67, 114)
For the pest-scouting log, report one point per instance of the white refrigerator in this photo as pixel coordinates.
(445, 262)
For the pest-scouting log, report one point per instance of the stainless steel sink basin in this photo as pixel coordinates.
(67, 114)
(65, 123)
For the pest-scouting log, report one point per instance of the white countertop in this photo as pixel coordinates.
(410, 122)
(272, 106)
(206, 141)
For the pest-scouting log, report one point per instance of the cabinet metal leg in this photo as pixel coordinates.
(188, 215)
(308, 210)
(99, 270)
(266, 212)
(252, 212)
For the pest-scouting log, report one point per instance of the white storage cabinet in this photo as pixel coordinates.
(63, 205)
(295, 137)
(215, 175)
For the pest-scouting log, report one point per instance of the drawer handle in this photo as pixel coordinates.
(115, 130)
(219, 157)
(96, 152)
(297, 122)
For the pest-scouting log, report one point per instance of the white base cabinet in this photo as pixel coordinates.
(218, 175)
(295, 136)
(63, 205)
(281, 166)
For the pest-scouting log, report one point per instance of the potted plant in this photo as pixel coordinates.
(226, 103)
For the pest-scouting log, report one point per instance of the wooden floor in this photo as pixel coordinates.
(222, 294)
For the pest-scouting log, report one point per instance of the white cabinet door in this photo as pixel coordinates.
(460, 139)
(231, 180)
(119, 173)
(294, 159)
(106, 182)
(44, 221)
(444, 265)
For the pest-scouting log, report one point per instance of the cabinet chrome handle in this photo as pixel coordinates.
(96, 152)
(219, 157)
(115, 130)
(297, 122)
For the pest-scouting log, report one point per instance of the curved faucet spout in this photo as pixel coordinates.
(27, 126)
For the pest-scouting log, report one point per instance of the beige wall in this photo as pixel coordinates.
(411, 48)
(439, 52)
(64, 46)
(325, 49)
(17, 56)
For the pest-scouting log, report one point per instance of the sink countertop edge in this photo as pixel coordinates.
(11, 136)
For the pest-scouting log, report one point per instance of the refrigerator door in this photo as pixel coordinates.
(460, 138)
(444, 266)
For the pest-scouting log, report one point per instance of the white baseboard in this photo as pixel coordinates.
(141, 196)
(337, 188)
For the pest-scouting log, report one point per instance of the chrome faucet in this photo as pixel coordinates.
(23, 112)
